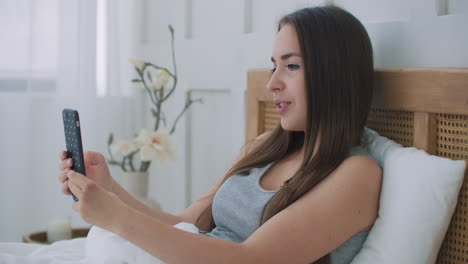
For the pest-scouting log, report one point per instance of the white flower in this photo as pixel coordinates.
(162, 78)
(156, 145)
(139, 63)
(124, 147)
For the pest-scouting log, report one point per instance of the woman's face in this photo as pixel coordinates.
(288, 80)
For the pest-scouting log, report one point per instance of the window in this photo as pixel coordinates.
(101, 48)
(29, 52)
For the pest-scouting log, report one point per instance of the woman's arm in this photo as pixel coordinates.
(339, 207)
(132, 202)
(191, 213)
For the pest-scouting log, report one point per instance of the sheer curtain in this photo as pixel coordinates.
(48, 52)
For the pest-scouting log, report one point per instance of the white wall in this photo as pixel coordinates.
(218, 41)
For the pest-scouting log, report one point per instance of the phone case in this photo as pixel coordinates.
(71, 125)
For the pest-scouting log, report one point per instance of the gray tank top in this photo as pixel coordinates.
(239, 202)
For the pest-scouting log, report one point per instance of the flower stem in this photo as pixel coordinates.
(158, 116)
(145, 85)
(187, 105)
(174, 76)
(130, 161)
(161, 68)
(122, 164)
(144, 166)
(112, 161)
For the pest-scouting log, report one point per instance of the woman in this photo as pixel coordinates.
(306, 192)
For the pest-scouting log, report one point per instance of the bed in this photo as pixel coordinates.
(426, 108)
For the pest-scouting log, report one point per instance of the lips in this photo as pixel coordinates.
(281, 105)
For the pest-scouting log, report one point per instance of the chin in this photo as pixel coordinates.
(290, 126)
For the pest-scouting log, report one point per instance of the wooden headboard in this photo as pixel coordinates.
(423, 107)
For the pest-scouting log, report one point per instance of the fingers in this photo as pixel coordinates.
(67, 163)
(63, 155)
(64, 161)
(63, 178)
(65, 189)
(77, 178)
(75, 189)
(63, 175)
(80, 186)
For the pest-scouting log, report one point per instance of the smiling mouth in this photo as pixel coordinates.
(282, 107)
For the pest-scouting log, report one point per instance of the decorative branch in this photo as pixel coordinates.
(174, 76)
(155, 87)
(145, 85)
(187, 105)
(112, 161)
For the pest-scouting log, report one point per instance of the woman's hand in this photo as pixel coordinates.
(96, 205)
(96, 170)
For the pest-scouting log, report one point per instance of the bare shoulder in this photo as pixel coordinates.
(359, 173)
(344, 203)
(359, 162)
(360, 168)
(361, 177)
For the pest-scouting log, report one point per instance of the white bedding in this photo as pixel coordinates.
(100, 247)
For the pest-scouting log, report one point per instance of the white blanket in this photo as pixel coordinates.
(100, 247)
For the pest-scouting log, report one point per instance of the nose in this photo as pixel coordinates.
(275, 84)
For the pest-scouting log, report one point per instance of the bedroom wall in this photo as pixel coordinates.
(218, 41)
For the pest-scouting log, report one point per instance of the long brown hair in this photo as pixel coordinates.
(339, 71)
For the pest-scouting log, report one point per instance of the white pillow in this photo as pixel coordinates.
(418, 197)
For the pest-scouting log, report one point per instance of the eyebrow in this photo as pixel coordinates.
(287, 55)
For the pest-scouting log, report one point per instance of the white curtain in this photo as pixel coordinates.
(48, 52)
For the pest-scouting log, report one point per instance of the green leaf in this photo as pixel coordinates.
(111, 139)
(136, 80)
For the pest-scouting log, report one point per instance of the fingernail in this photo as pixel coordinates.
(69, 161)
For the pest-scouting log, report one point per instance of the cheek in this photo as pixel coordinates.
(300, 86)
(301, 96)
(303, 114)
(303, 108)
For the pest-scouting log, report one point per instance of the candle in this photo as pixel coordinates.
(59, 229)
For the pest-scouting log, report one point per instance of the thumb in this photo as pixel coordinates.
(93, 158)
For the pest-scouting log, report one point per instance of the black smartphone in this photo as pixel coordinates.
(72, 128)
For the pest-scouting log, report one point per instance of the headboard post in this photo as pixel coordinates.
(425, 132)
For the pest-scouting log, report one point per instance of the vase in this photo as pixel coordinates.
(136, 183)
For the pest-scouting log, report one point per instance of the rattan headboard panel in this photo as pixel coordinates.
(271, 119)
(424, 108)
(396, 125)
(452, 142)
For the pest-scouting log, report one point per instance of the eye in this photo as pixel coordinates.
(293, 66)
